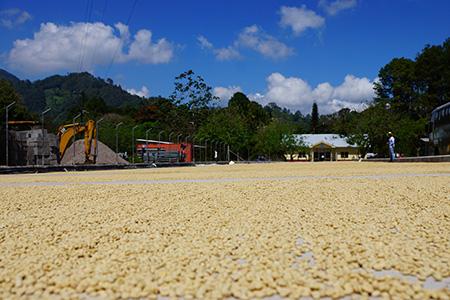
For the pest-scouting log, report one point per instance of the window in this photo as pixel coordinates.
(344, 154)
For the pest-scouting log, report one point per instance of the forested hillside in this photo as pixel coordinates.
(64, 94)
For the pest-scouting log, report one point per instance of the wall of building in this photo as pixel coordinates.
(347, 154)
(31, 148)
(339, 154)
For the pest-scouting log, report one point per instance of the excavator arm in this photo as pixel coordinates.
(90, 138)
(67, 132)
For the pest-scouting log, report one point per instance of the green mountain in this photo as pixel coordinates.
(64, 93)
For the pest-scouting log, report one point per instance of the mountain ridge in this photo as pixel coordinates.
(63, 92)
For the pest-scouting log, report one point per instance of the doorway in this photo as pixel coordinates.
(322, 156)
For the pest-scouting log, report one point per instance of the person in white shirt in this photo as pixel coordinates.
(391, 144)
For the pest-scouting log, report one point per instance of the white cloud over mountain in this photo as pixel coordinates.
(225, 93)
(296, 94)
(143, 92)
(300, 19)
(82, 46)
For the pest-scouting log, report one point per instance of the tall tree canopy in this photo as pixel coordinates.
(314, 118)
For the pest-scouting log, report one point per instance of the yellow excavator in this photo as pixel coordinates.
(67, 132)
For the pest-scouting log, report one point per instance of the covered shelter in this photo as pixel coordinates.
(325, 147)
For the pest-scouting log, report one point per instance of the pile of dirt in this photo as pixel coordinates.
(104, 155)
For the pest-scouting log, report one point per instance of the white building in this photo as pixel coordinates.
(325, 147)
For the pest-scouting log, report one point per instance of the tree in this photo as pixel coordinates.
(293, 145)
(8, 95)
(252, 112)
(314, 118)
(372, 125)
(225, 126)
(192, 91)
(195, 95)
(432, 70)
(274, 140)
(398, 85)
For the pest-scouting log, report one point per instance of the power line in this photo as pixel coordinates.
(119, 45)
(102, 18)
(88, 14)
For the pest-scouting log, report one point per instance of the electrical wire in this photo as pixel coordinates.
(120, 44)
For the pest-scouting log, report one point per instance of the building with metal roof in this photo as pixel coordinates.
(324, 147)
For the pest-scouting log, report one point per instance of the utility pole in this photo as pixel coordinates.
(178, 147)
(186, 139)
(7, 131)
(206, 150)
(132, 143)
(117, 142)
(193, 148)
(146, 145)
(43, 133)
(159, 144)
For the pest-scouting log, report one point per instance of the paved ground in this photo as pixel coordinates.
(245, 231)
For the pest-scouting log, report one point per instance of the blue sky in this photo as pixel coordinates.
(288, 52)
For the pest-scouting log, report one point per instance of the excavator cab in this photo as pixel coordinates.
(67, 133)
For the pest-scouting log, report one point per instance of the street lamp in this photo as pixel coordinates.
(225, 151)
(178, 147)
(96, 137)
(7, 131)
(73, 139)
(159, 144)
(213, 143)
(170, 141)
(146, 144)
(43, 132)
(206, 150)
(132, 143)
(117, 141)
(186, 139)
(159, 135)
(193, 147)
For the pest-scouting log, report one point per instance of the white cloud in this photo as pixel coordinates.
(13, 17)
(204, 43)
(300, 19)
(144, 92)
(143, 50)
(225, 93)
(228, 53)
(334, 7)
(254, 38)
(251, 37)
(82, 46)
(296, 94)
